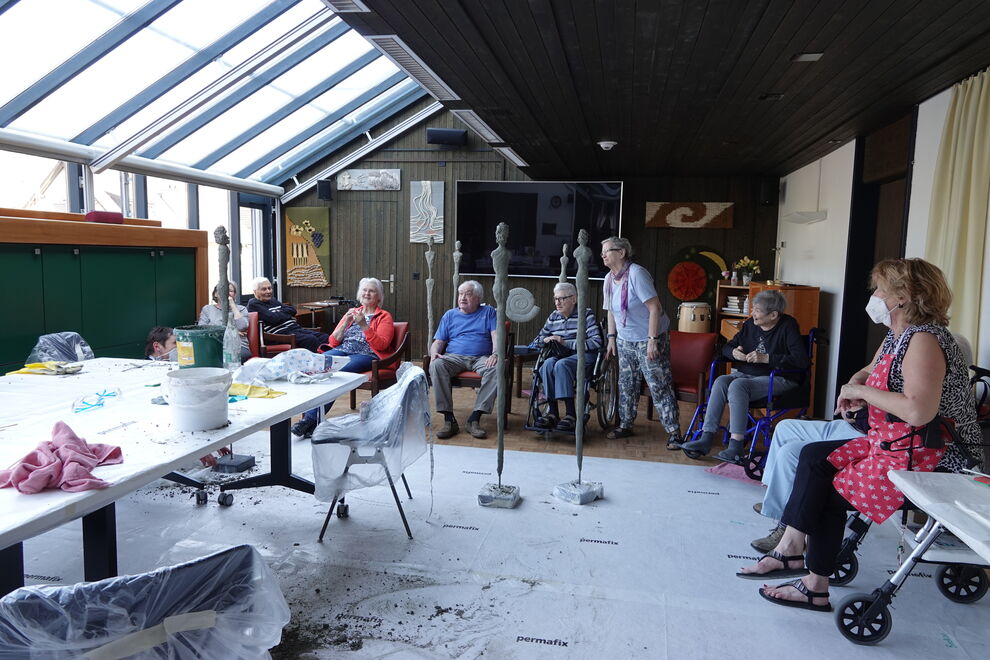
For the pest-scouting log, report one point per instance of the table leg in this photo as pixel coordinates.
(281, 470)
(12, 571)
(100, 543)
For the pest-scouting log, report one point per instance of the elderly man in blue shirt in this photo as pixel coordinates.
(463, 342)
(559, 372)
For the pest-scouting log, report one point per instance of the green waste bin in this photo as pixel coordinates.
(199, 345)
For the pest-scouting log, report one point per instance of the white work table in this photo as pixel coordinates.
(956, 501)
(30, 405)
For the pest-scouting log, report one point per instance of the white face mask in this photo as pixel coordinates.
(877, 310)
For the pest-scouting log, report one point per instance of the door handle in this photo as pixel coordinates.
(391, 282)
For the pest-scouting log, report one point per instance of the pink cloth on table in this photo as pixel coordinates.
(66, 461)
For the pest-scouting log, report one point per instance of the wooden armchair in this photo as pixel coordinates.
(266, 344)
(383, 370)
(472, 379)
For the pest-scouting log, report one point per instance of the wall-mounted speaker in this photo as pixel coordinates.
(456, 137)
(324, 190)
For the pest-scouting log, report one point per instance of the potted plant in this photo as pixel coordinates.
(746, 268)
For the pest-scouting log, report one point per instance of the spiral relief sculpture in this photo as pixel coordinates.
(520, 305)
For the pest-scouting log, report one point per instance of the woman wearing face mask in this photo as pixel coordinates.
(917, 372)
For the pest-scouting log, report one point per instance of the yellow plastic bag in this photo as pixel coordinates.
(49, 368)
(254, 391)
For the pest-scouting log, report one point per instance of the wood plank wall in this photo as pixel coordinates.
(369, 230)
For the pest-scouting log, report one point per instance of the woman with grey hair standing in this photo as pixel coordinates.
(768, 340)
(638, 332)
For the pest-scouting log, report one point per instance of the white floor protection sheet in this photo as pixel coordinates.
(647, 572)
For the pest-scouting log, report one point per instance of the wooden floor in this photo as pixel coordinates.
(648, 444)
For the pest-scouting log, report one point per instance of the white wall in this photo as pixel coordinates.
(815, 254)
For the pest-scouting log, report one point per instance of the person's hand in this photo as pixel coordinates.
(491, 361)
(758, 358)
(738, 354)
(850, 399)
(434, 356)
(357, 316)
(610, 348)
(556, 338)
(651, 350)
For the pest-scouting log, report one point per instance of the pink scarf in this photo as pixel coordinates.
(66, 462)
(623, 292)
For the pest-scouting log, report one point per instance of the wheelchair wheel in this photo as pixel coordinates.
(845, 571)
(753, 465)
(961, 583)
(607, 394)
(859, 625)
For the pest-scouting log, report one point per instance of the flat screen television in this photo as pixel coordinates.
(542, 216)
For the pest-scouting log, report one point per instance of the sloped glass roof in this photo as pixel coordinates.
(255, 89)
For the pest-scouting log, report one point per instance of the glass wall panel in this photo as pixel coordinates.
(213, 212)
(31, 182)
(251, 222)
(168, 202)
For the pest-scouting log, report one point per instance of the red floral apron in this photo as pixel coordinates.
(863, 464)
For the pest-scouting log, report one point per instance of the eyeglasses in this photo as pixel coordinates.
(562, 298)
(607, 250)
(95, 400)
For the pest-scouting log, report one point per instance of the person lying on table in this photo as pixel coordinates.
(768, 340)
(278, 318)
(559, 373)
(464, 341)
(917, 373)
(212, 314)
(363, 334)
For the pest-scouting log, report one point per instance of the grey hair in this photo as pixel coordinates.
(622, 244)
(258, 281)
(770, 300)
(374, 281)
(563, 287)
(474, 284)
(216, 290)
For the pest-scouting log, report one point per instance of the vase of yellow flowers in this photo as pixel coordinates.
(746, 268)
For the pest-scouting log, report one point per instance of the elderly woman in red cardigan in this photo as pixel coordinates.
(917, 372)
(363, 333)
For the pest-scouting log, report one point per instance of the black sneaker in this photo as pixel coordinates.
(304, 427)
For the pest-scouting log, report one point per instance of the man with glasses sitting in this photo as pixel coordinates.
(559, 371)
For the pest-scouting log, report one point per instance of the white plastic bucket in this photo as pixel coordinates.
(197, 397)
(694, 317)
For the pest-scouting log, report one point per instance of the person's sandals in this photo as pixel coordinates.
(547, 421)
(618, 432)
(779, 573)
(566, 424)
(802, 588)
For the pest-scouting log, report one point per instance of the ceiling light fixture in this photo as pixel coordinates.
(607, 145)
(807, 57)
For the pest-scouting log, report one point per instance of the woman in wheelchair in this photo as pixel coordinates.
(918, 372)
(558, 368)
(769, 339)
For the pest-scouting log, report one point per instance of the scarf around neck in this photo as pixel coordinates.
(623, 292)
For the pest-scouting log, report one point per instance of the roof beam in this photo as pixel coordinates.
(69, 69)
(193, 64)
(213, 90)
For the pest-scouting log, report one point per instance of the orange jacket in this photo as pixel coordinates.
(379, 333)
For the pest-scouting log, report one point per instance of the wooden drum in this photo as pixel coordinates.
(694, 317)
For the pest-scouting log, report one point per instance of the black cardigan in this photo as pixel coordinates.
(784, 344)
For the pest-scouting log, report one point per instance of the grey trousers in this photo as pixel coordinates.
(738, 389)
(451, 364)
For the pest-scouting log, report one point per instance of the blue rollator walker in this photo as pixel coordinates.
(763, 413)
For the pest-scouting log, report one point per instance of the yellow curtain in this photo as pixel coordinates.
(957, 226)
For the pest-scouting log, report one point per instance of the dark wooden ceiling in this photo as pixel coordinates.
(682, 85)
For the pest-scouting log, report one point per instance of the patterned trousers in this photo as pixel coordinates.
(634, 365)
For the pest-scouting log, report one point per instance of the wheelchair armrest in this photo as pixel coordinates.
(979, 372)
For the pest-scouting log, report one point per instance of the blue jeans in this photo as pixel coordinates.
(789, 438)
(559, 375)
(738, 389)
(358, 364)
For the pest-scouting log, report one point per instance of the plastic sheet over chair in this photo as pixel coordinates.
(61, 347)
(394, 421)
(226, 605)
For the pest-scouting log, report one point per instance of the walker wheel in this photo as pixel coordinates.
(201, 497)
(862, 620)
(961, 583)
(225, 499)
(343, 510)
(845, 571)
(753, 465)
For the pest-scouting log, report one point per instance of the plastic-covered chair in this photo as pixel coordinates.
(226, 605)
(61, 347)
(390, 430)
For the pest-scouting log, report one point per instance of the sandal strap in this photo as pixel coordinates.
(783, 559)
(802, 588)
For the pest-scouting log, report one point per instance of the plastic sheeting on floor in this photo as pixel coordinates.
(647, 572)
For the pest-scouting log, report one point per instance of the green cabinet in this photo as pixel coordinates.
(112, 296)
